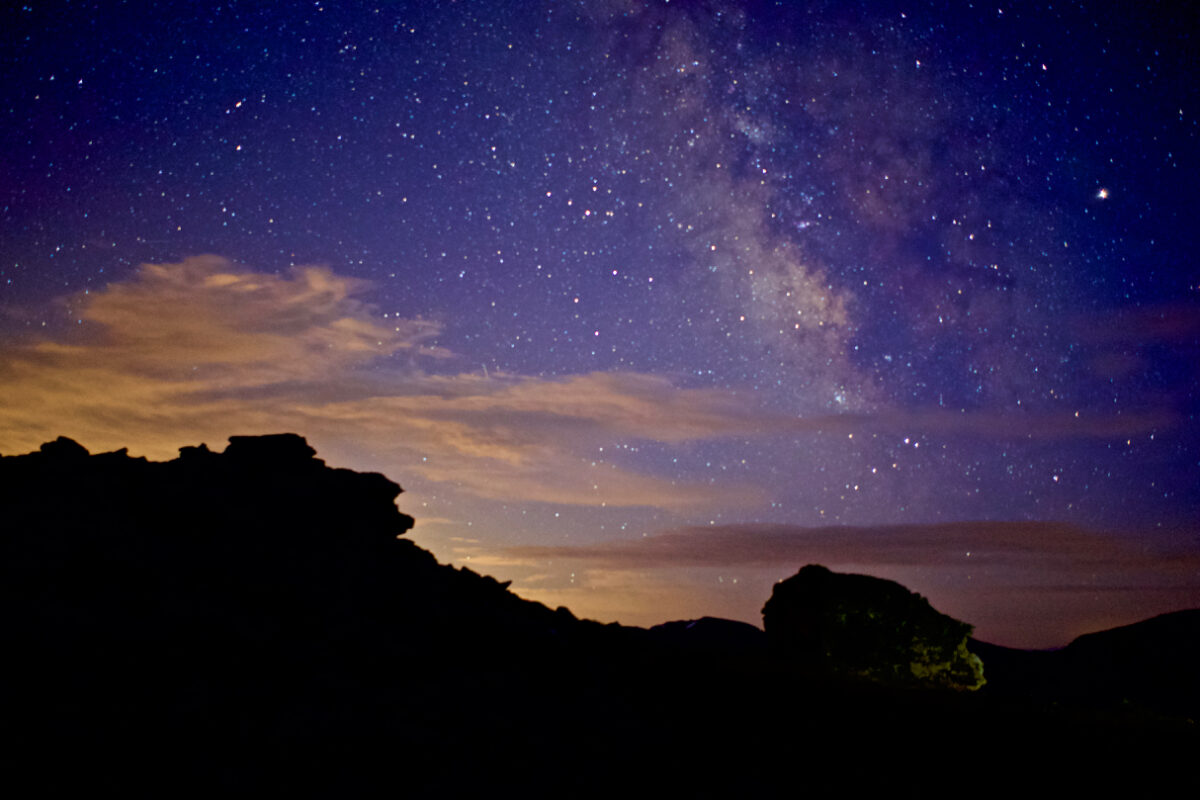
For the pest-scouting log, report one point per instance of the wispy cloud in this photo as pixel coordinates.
(1127, 346)
(1067, 548)
(202, 349)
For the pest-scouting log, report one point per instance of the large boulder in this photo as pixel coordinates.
(834, 624)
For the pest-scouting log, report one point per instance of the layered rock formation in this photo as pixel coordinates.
(248, 599)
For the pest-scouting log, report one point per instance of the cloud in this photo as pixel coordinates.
(238, 327)
(1143, 351)
(1176, 323)
(1027, 426)
(201, 349)
(1066, 548)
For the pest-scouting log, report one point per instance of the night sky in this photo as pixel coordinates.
(645, 304)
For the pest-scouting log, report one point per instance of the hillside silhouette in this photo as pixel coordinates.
(253, 620)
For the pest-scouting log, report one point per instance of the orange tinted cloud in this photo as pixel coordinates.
(200, 350)
(1069, 548)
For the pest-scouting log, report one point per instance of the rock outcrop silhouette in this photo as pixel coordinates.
(254, 621)
(248, 597)
(828, 623)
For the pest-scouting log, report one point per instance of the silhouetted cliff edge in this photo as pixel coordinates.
(249, 621)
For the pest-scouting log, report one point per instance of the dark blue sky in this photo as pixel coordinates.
(791, 264)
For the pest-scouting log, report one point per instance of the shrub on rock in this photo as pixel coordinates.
(834, 624)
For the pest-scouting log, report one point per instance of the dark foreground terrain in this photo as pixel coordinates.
(249, 622)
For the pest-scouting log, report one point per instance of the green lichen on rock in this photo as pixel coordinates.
(835, 624)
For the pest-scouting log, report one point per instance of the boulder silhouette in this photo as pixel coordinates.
(835, 624)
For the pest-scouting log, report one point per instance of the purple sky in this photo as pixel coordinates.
(646, 305)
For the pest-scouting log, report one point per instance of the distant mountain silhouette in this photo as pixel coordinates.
(250, 622)
(1150, 664)
(712, 637)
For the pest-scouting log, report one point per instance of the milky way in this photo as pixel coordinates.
(580, 274)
